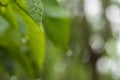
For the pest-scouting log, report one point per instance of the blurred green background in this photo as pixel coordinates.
(59, 39)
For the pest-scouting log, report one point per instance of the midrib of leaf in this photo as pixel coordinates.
(38, 56)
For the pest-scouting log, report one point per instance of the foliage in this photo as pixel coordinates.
(22, 37)
(59, 40)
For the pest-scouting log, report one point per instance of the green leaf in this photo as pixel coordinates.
(33, 8)
(23, 44)
(56, 22)
(35, 36)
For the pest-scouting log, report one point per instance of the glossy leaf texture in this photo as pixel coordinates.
(21, 40)
(33, 8)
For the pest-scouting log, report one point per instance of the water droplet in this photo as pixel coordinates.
(41, 29)
(69, 53)
(13, 78)
(59, 66)
(24, 40)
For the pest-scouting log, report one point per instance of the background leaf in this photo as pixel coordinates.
(56, 22)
